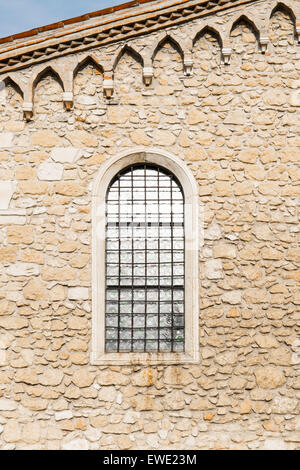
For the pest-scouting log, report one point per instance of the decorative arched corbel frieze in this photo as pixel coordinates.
(67, 71)
(36, 77)
(16, 80)
(126, 49)
(288, 8)
(165, 38)
(246, 17)
(213, 30)
(86, 59)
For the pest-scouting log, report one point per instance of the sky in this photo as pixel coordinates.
(21, 15)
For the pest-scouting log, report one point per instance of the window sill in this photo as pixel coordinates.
(114, 359)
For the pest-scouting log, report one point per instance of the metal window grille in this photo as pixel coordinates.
(145, 261)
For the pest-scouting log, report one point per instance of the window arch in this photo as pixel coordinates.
(145, 261)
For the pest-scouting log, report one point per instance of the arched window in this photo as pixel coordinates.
(145, 261)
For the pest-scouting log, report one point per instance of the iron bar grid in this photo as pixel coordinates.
(145, 261)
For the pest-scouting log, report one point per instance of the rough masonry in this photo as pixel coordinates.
(222, 92)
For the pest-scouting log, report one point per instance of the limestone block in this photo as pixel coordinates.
(51, 377)
(284, 405)
(269, 377)
(275, 97)
(6, 139)
(196, 116)
(62, 415)
(145, 378)
(70, 189)
(12, 431)
(86, 100)
(177, 376)
(108, 377)
(35, 290)
(76, 444)
(295, 98)
(23, 269)
(225, 250)
(49, 171)
(275, 444)
(12, 220)
(13, 323)
(107, 394)
(213, 232)
(45, 138)
(82, 139)
(232, 297)
(266, 341)
(139, 137)
(65, 154)
(83, 378)
(235, 117)
(7, 189)
(7, 405)
(256, 296)
(3, 358)
(163, 138)
(78, 293)
(214, 269)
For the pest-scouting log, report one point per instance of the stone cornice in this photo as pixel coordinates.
(107, 29)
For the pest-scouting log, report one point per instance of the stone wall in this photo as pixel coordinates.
(237, 128)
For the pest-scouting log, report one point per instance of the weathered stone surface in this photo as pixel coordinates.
(269, 377)
(57, 274)
(139, 137)
(225, 251)
(12, 431)
(7, 405)
(13, 323)
(76, 444)
(281, 356)
(6, 139)
(65, 154)
(51, 377)
(196, 116)
(266, 341)
(164, 138)
(49, 171)
(70, 189)
(232, 297)
(83, 378)
(112, 378)
(235, 129)
(45, 138)
(61, 415)
(35, 290)
(20, 235)
(255, 296)
(6, 307)
(201, 404)
(31, 433)
(284, 405)
(78, 293)
(7, 189)
(23, 269)
(107, 394)
(248, 156)
(214, 269)
(177, 376)
(145, 378)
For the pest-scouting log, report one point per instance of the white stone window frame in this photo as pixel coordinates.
(193, 240)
